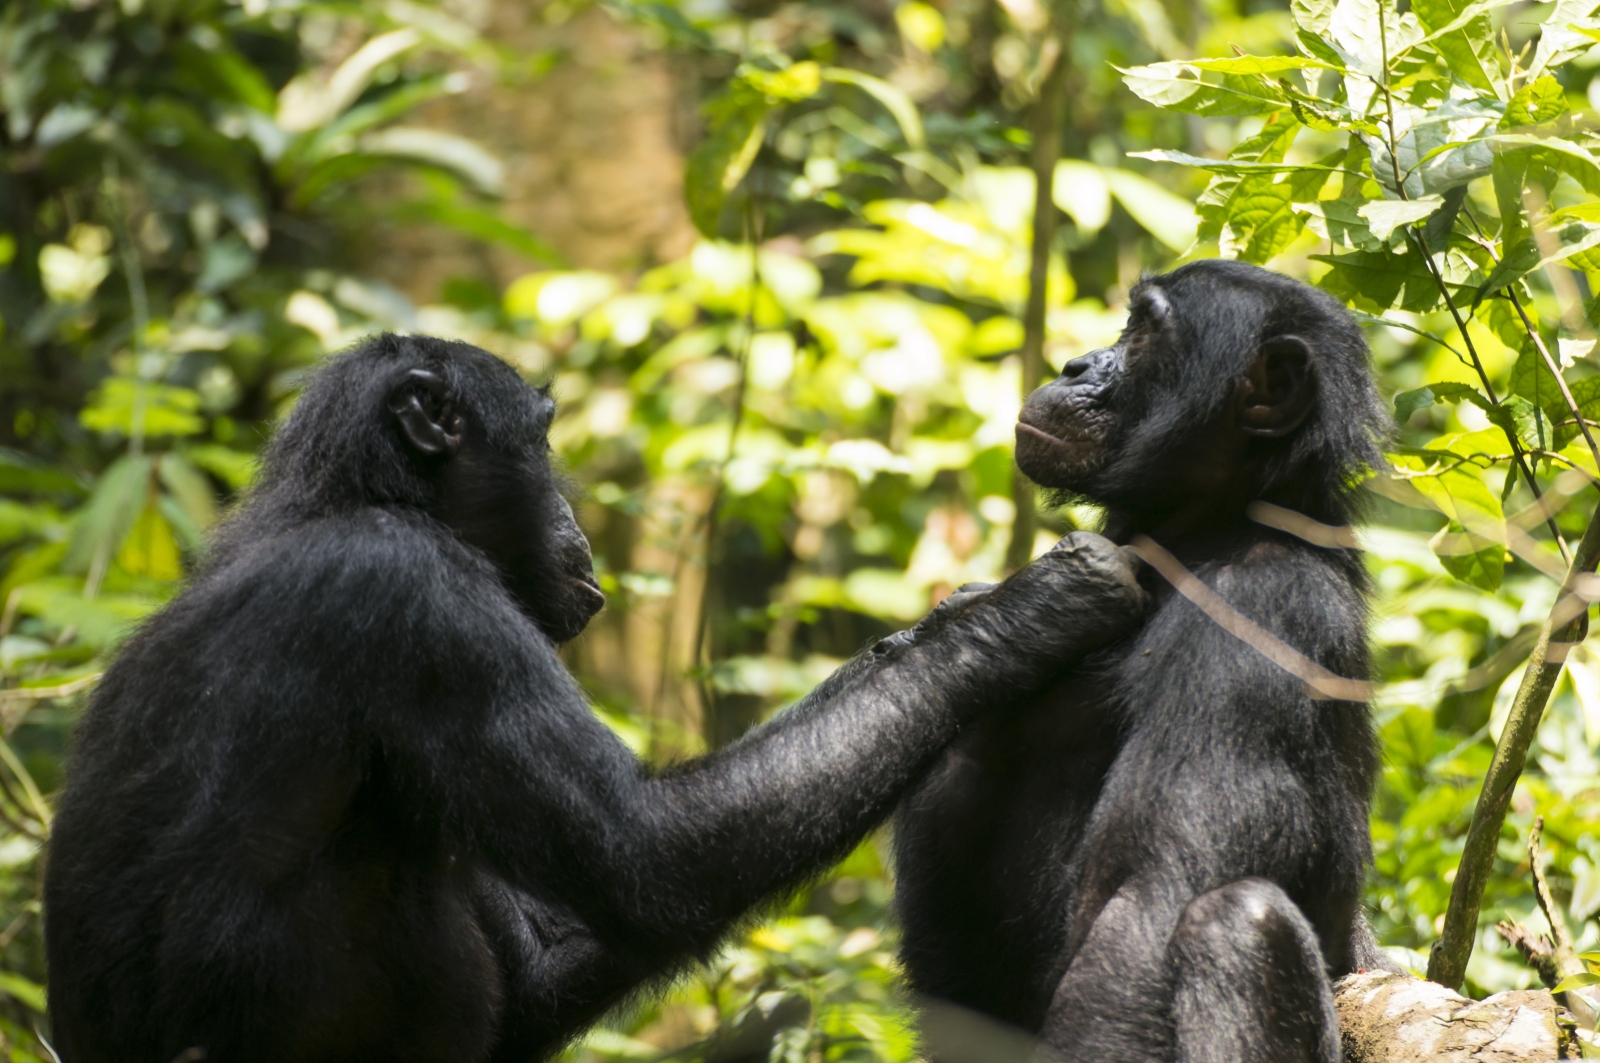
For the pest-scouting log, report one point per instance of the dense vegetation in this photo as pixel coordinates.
(796, 436)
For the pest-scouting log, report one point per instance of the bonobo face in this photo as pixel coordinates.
(1067, 429)
(502, 496)
(1171, 409)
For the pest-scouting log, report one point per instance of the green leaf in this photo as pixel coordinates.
(1521, 260)
(898, 104)
(1559, 41)
(1380, 281)
(1407, 403)
(1178, 86)
(1468, 49)
(125, 406)
(28, 993)
(1470, 558)
(720, 161)
(1577, 981)
(21, 474)
(189, 489)
(1384, 216)
(104, 521)
(1543, 100)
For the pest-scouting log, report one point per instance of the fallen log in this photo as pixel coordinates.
(1399, 1018)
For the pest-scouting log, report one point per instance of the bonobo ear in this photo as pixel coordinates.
(1278, 389)
(421, 404)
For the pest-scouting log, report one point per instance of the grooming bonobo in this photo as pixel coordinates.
(1160, 858)
(341, 802)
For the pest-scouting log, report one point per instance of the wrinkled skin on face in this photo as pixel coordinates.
(506, 503)
(1133, 401)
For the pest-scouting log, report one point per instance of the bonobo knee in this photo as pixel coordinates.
(1244, 914)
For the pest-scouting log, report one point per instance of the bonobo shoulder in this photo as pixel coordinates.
(398, 575)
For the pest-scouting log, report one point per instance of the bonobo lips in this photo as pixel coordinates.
(1054, 460)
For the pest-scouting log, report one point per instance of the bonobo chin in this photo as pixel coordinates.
(340, 799)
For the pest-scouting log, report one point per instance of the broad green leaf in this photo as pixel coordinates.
(22, 990)
(463, 157)
(1384, 216)
(150, 548)
(306, 103)
(1468, 49)
(720, 161)
(1559, 41)
(21, 474)
(1258, 64)
(1577, 981)
(1555, 153)
(111, 510)
(895, 101)
(1470, 558)
(1543, 100)
(1521, 259)
(189, 488)
(235, 468)
(1230, 166)
(128, 407)
(1381, 281)
(1407, 403)
(1178, 86)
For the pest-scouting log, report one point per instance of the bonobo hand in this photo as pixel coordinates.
(1078, 597)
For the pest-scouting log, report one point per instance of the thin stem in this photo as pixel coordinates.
(1517, 453)
(1045, 152)
(714, 508)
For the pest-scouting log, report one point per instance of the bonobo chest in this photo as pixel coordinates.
(985, 847)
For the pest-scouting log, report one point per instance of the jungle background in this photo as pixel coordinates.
(775, 258)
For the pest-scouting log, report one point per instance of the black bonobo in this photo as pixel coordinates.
(1161, 857)
(340, 801)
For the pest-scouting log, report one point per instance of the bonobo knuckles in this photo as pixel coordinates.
(1086, 587)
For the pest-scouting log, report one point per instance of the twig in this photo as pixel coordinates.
(1564, 957)
(45, 693)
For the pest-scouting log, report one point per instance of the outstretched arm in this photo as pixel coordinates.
(663, 865)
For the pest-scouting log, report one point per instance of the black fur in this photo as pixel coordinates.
(341, 802)
(1161, 857)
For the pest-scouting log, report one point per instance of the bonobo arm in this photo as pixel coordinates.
(660, 866)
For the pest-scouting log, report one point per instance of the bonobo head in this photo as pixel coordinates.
(1229, 384)
(446, 428)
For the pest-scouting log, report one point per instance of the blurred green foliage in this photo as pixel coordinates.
(794, 437)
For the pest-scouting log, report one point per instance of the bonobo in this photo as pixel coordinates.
(340, 801)
(1160, 857)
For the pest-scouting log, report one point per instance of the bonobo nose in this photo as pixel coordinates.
(1085, 368)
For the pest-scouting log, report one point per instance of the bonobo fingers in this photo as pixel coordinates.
(955, 603)
(1079, 596)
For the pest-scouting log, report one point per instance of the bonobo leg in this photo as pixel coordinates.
(1232, 976)
(1249, 984)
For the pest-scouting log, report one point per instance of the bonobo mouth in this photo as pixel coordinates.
(1052, 460)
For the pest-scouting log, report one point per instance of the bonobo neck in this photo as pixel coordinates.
(1193, 531)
